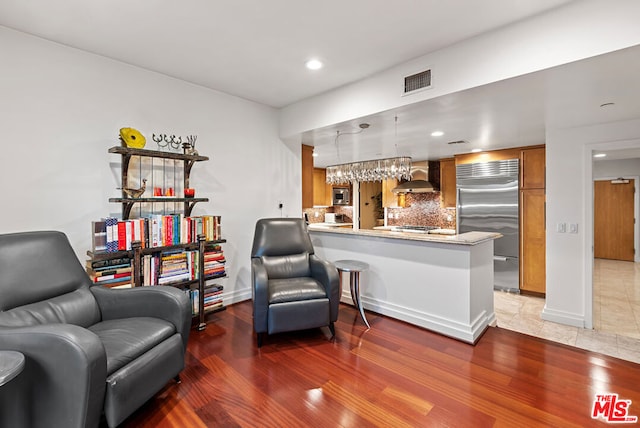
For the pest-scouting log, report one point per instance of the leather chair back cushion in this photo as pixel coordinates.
(291, 266)
(281, 236)
(36, 266)
(78, 307)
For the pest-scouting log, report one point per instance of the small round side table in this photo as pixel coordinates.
(354, 267)
(11, 364)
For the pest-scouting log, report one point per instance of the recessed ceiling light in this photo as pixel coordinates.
(314, 64)
(600, 155)
(476, 150)
(437, 134)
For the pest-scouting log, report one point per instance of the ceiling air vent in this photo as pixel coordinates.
(417, 81)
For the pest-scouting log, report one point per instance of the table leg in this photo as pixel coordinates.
(355, 295)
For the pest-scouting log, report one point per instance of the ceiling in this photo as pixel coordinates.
(256, 50)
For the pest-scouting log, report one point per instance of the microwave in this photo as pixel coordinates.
(341, 196)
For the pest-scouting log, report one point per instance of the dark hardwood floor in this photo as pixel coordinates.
(393, 375)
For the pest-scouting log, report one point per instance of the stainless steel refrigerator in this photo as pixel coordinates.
(487, 200)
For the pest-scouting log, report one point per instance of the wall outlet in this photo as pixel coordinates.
(573, 228)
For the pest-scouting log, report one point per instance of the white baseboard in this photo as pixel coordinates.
(562, 317)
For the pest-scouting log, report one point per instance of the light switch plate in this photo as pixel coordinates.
(561, 227)
(573, 228)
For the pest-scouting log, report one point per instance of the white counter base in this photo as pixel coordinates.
(444, 287)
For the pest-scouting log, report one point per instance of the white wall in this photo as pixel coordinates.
(570, 200)
(580, 30)
(61, 110)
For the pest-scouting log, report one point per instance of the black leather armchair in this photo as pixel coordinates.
(292, 288)
(89, 350)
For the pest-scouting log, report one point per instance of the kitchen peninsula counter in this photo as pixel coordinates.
(440, 282)
(468, 238)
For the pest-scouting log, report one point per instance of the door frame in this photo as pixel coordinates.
(636, 210)
(588, 151)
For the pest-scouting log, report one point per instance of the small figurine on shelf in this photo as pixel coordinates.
(189, 192)
(135, 193)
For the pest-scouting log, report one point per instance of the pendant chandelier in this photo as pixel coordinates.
(398, 167)
(370, 170)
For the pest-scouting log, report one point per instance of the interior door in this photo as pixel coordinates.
(614, 219)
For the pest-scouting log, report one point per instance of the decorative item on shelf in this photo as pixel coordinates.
(135, 193)
(157, 191)
(132, 138)
(189, 192)
(169, 192)
(168, 141)
(190, 146)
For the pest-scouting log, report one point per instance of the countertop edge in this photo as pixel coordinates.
(468, 238)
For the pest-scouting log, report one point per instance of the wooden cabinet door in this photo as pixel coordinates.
(448, 183)
(322, 192)
(533, 241)
(307, 176)
(533, 168)
(389, 199)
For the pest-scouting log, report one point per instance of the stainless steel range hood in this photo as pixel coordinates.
(419, 180)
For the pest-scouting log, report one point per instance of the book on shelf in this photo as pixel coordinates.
(156, 230)
(116, 276)
(99, 236)
(211, 301)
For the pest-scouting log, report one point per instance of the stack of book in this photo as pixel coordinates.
(212, 298)
(214, 262)
(113, 273)
(111, 234)
(170, 267)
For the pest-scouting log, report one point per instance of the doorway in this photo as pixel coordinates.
(371, 213)
(615, 271)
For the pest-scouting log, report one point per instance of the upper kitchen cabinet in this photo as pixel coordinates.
(533, 168)
(389, 199)
(307, 176)
(448, 183)
(321, 190)
(493, 155)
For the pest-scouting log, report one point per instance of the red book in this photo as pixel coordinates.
(112, 276)
(122, 235)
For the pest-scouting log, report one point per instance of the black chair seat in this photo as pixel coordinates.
(125, 340)
(295, 289)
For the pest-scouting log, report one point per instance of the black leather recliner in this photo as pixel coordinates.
(89, 350)
(292, 288)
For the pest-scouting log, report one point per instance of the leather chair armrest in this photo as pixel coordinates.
(327, 274)
(164, 302)
(63, 381)
(260, 295)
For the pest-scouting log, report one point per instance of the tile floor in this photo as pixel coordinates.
(616, 313)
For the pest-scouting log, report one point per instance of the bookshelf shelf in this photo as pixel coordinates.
(195, 251)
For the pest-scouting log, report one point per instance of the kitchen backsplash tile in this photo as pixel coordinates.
(423, 209)
(316, 214)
